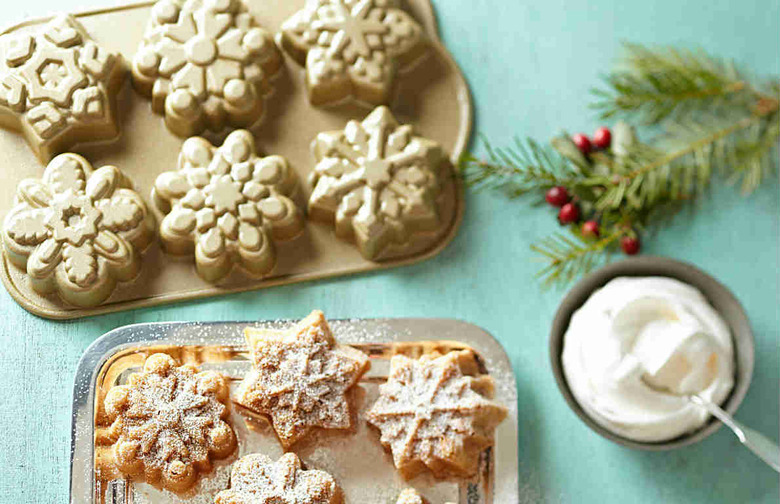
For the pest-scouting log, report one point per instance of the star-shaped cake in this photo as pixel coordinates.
(169, 422)
(435, 412)
(256, 479)
(352, 47)
(300, 378)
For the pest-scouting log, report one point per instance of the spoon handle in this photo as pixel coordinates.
(766, 449)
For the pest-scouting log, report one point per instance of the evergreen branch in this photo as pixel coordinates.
(527, 166)
(654, 84)
(569, 257)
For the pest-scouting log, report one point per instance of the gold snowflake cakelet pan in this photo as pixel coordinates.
(225, 146)
(119, 401)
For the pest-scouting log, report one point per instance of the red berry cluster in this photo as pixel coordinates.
(569, 212)
(602, 139)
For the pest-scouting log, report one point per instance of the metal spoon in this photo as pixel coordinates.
(762, 446)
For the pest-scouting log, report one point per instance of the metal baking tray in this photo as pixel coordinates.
(356, 459)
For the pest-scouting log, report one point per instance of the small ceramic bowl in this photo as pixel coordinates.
(719, 297)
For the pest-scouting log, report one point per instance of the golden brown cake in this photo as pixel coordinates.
(169, 423)
(256, 479)
(435, 412)
(300, 378)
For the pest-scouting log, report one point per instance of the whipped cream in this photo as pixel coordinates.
(637, 347)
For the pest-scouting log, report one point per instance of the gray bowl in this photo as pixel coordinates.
(719, 297)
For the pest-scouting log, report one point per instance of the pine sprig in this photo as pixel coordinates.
(651, 85)
(568, 257)
(712, 119)
(514, 171)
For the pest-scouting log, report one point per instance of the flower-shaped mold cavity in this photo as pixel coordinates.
(58, 87)
(77, 231)
(434, 412)
(377, 182)
(352, 47)
(256, 479)
(300, 378)
(168, 423)
(205, 64)
(228, 206)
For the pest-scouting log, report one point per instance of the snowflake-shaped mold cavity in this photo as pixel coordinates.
(205, 64)
(77, 231)
(301, 378)
(256, 479)
(378, 183)
(168, 423)
(228, 206)
(58, 87)
(435, 412)
(352, 47)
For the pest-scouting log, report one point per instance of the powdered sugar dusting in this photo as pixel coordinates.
(300, 378)
(168, 422)
(432, 414)
(256, 479)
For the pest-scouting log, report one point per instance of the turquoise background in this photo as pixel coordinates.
(530, 65)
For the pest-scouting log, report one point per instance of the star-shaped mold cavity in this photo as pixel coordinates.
(58, 87)
(435, 412)
(228, 206)
(256, 479)
(205, 64)
(77, 231)
(352, 47)
(169, 422)
(300, 378)
(377, 183)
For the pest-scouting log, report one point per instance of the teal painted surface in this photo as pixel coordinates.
(530, 65)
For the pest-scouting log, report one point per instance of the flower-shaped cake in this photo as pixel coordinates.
(256, 479)
(228, 205)
(352, 47)
(377, 182)
(77, 231)
(205, 64)
(300, 378)
(168, 423)
(58, 87)
(433, 412)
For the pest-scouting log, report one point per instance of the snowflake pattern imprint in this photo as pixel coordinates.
(58, 87)
(77, 231)
(256, 479)
(227, 205)
(434, 412)
(205, 64)
(300, 378)
(352, 47)
(377, 182)
(168, 423)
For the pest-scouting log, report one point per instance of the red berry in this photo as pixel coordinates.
(557, 196)
(590, 229)
(583, 143)
(630, 245)
(602, 138)
(569, 213)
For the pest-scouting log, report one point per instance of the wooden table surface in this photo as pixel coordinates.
(530, 65)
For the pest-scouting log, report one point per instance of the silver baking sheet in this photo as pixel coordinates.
(356, 459)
